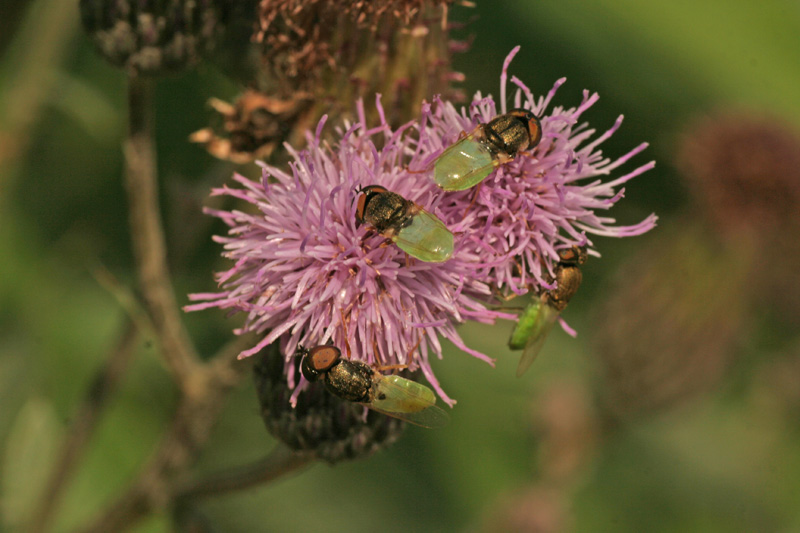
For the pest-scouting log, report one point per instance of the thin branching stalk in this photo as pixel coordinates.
(148, 236)
(84, 423)
(204, 386)
(185, 437)
(281, 461)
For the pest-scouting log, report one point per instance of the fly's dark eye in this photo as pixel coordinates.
(324, 357)
(360, 207)
(318, 361)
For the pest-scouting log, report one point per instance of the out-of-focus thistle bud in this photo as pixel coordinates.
(332, 428)
(565, 428)
(744, 174)
(743, 170)
(154, 37)
(320, 56)
(777, 386)
(672, 323)
(538, 508)
(565, 422)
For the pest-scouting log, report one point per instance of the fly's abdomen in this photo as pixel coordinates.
(426, 238)
(527, 324)
(463, 165)
(400, 395)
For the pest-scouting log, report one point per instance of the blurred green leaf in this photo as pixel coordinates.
(29, 454)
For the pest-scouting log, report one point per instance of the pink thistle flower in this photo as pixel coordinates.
(543, 200)
(306, 273)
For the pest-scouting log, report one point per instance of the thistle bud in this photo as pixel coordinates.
(332, 428)
(743, 170)
(672, 323)
(153, 37)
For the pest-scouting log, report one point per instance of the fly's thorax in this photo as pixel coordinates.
(351, 380)
(388, 211)
(568, 279)
(507, 134)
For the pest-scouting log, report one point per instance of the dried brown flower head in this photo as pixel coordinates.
(319, 56)
(253, 126)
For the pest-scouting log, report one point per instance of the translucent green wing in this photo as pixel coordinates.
(463, 165)
(409, 401)
(545, 320)
(426, 238)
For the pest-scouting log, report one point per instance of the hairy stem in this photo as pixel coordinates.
(148, 236)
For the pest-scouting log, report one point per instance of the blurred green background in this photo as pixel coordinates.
(574, 445)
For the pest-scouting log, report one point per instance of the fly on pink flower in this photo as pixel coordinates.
(537, 193)
(307, 273)
(540, 201)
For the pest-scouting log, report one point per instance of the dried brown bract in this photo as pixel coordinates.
(252, 127)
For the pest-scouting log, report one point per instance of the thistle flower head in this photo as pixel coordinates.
(305, 272)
